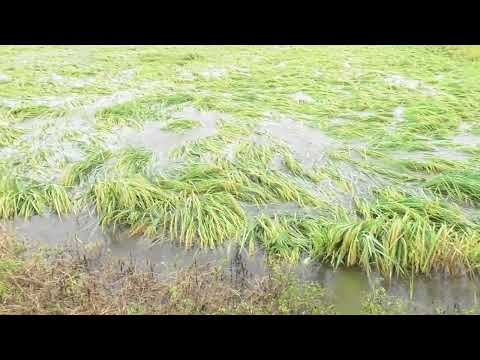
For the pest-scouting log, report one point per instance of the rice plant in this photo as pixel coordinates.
(390, 203)
(25, 198)
(27, 112)
(57, 198)
(279, 236)
(434, 165)
(134, 159)
(120, 200)
(460, 185)
(210, 218)
(182, 125)
(20, 198)
(255, 154)
(203, 219)
(80, 170)
(393, 245)
(9, 134)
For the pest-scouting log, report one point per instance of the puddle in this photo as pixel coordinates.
(54, 133)
(449, 293)
(125, 75)
(161, 141)
(347, 286)
(444, 153)
(52, 230)
(301, 97)
(399, 80)
(213, 73)
(397, 118)
(10, 103)
(108, 100)
(450, 154)
(186, 75)
(308, 144)
(465, 126)
(364, 113)
(291, 208)
(398, 113)
(70, 81)
(165, 256)
(337, 121)
(467, 139)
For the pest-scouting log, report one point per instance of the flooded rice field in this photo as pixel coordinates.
(356, 168)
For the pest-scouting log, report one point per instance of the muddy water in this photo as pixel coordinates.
(308, 144)
(467, 139)
(345, 287)
(161, 142)
(399, 80)
(448, 154)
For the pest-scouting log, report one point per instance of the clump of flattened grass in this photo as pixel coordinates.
(27, 112)
(212, 144)
(471, 52)
(394, 245)
(431, 166)
(279, 235)
(212, 218)
(432, 116)
(9, 134)
(255, 154)
(57, 198)
(391, 203)
(25, 198)
(460, 185)
(246, 181)
(189, 57)
(80, 170)
(199, 203)
(20, 198)
(134, 112)
(182, 125)
(228, 131)
(134, 159)
(297, 169)
(398, 233)
(176, 99)
(207, 218)
(128, 113)
(126, 200)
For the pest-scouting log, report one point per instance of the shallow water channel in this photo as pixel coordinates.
(345, 287)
